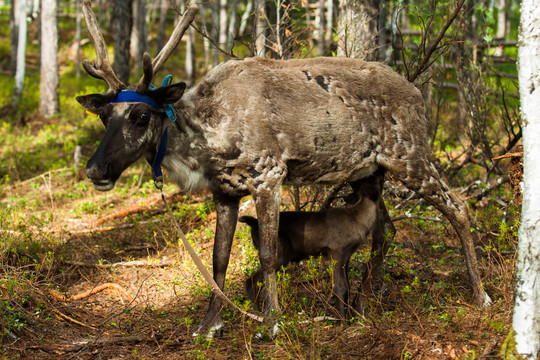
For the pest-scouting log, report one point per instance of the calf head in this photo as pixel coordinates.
(133, 115)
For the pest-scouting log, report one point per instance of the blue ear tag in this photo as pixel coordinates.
(169, 110)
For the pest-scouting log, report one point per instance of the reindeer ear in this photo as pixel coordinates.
(94, 102)
(168, 94)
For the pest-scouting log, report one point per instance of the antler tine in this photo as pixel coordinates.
(102, 68)
(175, 38)
(148, 74)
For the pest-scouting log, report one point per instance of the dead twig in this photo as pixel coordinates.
(64, 316)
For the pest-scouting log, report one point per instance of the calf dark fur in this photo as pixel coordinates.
(252, 125)
(335, 233)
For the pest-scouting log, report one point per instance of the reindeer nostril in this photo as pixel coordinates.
(93, 172)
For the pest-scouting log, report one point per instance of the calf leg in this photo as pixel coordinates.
(253, 289)
(340, 279)
(227, 214)
(383, 234)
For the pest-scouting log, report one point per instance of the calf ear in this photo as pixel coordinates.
(93, 102)
(168, 94)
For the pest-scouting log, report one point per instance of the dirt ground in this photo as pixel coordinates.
(110, 280)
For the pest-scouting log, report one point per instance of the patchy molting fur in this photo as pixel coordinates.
(252, 125)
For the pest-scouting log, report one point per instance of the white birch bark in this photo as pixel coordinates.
(21, 54)
(260, 28)
(526, 319)
(48, 85)
(222, 23)
(245, 17)
(78, 37)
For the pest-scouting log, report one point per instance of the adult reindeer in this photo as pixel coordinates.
(251, 126)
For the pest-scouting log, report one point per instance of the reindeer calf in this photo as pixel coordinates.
(334, 233)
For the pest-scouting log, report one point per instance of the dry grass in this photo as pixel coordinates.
(61, 297)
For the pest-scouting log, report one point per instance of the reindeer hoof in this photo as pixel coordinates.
(264, 335)
(211, 333)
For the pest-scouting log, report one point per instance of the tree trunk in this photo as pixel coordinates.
(358, 29)
(14, 34)
(122, 22)
(501, 24)
(206, 43)
(245, 17)
(526, 319)
(78, 37)
(162, 23)
(214, 8)
(259, 28)
(190, 49)
(329, 22)
(321, 28)
(139, 33)
(231, 33)
(223, 23)
(21, 55)
(48, 86)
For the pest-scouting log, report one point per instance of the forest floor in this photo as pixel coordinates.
(91, 275)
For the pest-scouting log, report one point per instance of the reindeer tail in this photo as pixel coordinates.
(250, 221)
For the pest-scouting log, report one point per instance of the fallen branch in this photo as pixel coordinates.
(64, 348)
(88, 293)
(509, 155)
(134, 263)
(319, 319)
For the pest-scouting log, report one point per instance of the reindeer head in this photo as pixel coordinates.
(133, 115)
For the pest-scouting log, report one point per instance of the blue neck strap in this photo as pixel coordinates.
(133, 96)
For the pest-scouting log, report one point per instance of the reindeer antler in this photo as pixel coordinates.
(102, 68)
(152, 67)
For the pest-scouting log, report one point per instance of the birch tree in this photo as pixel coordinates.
(21, 54)
(526, 320)
(48, 86)
(14, 34)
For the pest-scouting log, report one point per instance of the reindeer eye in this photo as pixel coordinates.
(143, 119)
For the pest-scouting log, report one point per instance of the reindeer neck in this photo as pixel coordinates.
(186, 152)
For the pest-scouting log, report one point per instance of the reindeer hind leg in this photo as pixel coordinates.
(421, 176)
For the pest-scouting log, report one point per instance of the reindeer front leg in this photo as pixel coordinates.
(267, 201)
(227, 215)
